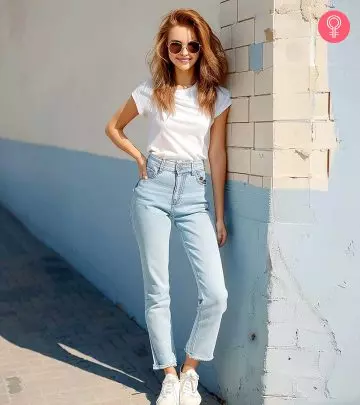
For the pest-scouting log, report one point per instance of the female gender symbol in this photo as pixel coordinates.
(334, 26)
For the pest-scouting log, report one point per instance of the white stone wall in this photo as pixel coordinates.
(281, 132)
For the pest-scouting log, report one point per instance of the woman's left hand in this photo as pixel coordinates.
(221, 232)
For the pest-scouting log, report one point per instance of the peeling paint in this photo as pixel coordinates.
(313, 9)
(269, 35)
(333, 350)
(303, 155)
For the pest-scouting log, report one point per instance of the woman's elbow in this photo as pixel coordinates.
(108, 129)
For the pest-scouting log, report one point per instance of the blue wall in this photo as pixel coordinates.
(316, 239)
(78, 204)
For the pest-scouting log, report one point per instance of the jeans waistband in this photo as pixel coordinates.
(176, 164)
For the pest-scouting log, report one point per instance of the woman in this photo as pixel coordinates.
(187, 108)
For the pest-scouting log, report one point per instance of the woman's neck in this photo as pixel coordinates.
(184, 79)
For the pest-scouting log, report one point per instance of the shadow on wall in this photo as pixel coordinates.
(78, 204)
(243, 340)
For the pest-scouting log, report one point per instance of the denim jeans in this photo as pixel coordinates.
(174, 193)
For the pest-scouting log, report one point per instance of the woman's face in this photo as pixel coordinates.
(184, 60)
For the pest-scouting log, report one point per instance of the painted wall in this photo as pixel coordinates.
(289, 335)
(314, 246)
(65, 68)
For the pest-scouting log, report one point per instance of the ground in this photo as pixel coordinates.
(61, 341)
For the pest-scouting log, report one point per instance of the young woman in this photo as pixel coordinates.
(187, 108)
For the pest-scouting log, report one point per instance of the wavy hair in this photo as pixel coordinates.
(210, 69)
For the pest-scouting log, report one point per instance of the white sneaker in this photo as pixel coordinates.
(189, 395)
(169, 394)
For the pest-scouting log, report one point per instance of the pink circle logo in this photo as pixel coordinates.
(334, 26)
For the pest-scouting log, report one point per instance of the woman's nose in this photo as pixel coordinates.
(184, 51)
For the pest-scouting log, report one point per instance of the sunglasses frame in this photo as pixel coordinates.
(183, 46)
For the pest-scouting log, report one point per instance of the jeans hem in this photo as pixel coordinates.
(160, 366)
(198, 358)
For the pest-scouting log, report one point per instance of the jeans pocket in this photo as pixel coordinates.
(200, 176)
(152, 170)
(137, 183)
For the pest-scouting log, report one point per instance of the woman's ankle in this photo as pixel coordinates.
(170, 370)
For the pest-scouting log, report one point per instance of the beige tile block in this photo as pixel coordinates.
(291, 182)
(291, 163)
(242, 84)
(262, 163)
(319, 7)
(243, 33)
(321, 79)
(321, 184)
(242, 59)
(225, 37)
(264, 28)
(294, 51)
(243, 178)
(242, 135)
(256, 181)
(321, 106)
(331, 108)
(239, 111)
(261, 108)
(267, 182)
(291, 25)
(228, 12)
(324, 135)
(292, 107)
(228, 129)
(264, 81)
(319, 164)
(291, 79)
(292, 135)
(268, 53)
(238, 160)
(250, 8)
(321, 52)
(264, 132)
(227, 80)
(286, 6)
(230, 56)
(321, 74)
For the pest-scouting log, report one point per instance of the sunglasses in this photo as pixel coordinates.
(177, 46)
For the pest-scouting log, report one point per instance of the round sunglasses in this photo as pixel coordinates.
(177, 46)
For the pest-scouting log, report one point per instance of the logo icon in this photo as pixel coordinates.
(334, 26)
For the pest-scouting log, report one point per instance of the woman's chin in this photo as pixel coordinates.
(184, 67)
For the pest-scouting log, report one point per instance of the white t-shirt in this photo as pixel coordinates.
(184, 135)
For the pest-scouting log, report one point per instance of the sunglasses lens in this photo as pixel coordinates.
(193, 47)
(175, 47)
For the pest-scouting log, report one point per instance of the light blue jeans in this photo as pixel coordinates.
(175, 193)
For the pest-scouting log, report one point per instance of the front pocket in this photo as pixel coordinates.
(152, 172)
(137, 183)
(200, 176)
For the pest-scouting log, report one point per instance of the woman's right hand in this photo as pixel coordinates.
(142, 167)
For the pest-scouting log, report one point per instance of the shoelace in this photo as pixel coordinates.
(190, 384)
(168, 387)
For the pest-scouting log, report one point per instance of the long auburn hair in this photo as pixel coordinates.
(210, 69)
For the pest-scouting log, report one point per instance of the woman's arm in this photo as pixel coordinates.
(115, 131)
(218, 164)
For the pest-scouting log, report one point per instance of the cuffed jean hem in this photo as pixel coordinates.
(160, 367)
(198, 358)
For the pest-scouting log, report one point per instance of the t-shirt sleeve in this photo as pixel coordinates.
(142, 97)
(223, 100)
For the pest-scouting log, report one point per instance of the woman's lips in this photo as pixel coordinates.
(183, 60)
